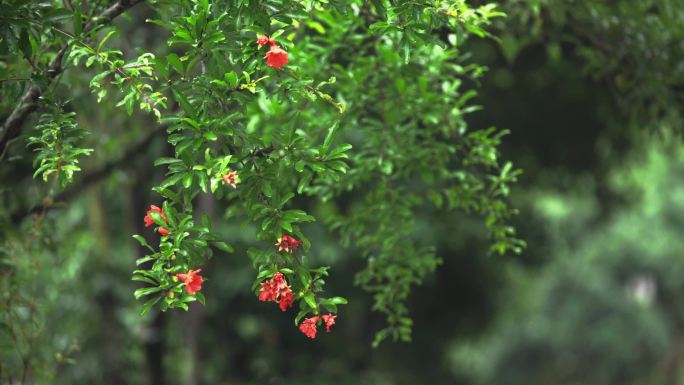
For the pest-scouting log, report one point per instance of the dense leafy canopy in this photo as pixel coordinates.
(318, 118)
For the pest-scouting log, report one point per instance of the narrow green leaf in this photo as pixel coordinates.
(78, 21)
(57, 14)
(146, 291)
(224, 247)
(338, 300)
(175, 62)
(330, 136)
(310, 300)
(104, 39)
(148, 305)
(25, 44)
(184, 103)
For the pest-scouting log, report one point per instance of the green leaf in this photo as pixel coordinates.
(330, 136)
(57, 14)
(304, 277)
(148, 305)
(332, 308)
(203, 181)
(25, 44)
(144, 259)
(187, 179)
(267, 189)
(286, 198)
(210, 136)
(161, 161)
(142, 241)
(78, 21)
(302, 313)
(146, 291)
(172, 180)
(104, 39)
(175, 62)
(310, 300)
(304, 182)
(224, 247)
(286, 225)
(338, 300)
(142, 278)
(215, 38)
(231, 78)
(184, 103)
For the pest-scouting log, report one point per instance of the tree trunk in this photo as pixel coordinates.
(109, 327)
(193, 320)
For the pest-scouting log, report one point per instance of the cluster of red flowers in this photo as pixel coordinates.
(276, 57)
(309, 325)
(231, 178)
(149, 221)
(193, 281)
(287, 243)
(276, 290)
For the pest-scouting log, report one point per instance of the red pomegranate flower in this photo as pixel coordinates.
(276, 290)
(262, 40)
(286, 300)
(308, 327)
(287, 243)
(276, 57)
(149, 221)
(268, 292)
(193, 281)
(153, 209)
(231, 178)
(328, 320)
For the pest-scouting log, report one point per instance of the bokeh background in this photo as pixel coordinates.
(592, 93)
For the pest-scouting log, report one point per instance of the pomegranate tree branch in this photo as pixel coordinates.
(11, 127)
(90, 178)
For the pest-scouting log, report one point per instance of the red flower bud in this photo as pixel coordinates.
(153, 209)
(328, 320)
(262, 40)
(285, 300)
(287, 243)
(231, 178)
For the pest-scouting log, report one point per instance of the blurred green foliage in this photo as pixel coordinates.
(606, 307)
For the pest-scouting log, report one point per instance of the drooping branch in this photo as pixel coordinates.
(89, 178)
(11, 128)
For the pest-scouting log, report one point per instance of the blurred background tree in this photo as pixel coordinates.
(591, 94)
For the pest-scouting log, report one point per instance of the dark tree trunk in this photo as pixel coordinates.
(155, 345)
(108, 304)
(194, 319)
